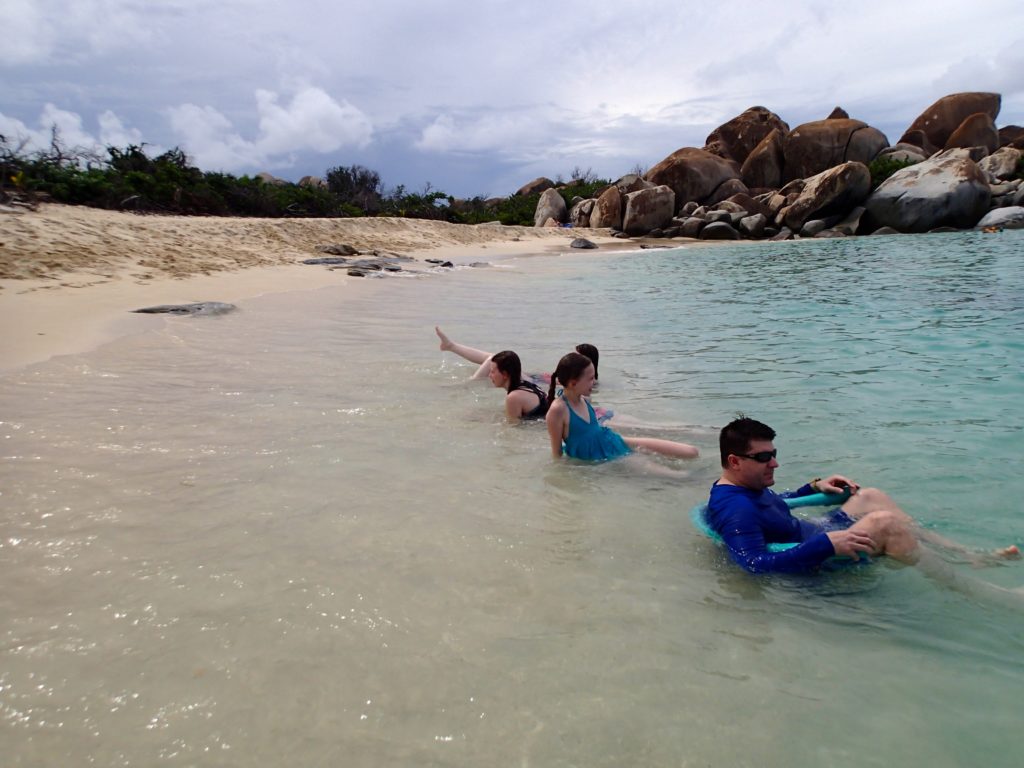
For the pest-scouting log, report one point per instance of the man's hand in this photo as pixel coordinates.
(849, 542)
(837, 484)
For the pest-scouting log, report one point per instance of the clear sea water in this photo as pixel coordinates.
(295, 535)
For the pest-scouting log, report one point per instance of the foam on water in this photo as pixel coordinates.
(295, 535)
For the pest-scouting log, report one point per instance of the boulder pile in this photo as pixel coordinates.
(756, 178)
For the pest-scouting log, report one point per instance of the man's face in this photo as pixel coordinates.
(753, 474)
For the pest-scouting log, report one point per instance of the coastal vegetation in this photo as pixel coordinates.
(129, 178)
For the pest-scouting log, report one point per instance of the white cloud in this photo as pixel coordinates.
(71, 132)
(313, 120)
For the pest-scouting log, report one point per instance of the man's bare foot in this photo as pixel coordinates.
(994, 556)
(446, 343)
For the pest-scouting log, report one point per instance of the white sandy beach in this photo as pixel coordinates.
(70, 275)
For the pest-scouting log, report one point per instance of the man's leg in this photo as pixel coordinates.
(868, 501)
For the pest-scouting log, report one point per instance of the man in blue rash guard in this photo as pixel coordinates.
(748, 515)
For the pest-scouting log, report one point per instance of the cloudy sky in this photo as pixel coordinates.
(480, 96)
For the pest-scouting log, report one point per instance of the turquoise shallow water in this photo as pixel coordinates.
(296, 535)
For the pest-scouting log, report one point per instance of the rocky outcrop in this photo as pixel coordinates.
(814, 147)
(632, 182)
(1003, 218)
(607, 211)
(579, 216)
(829, 193)
(692, 174)
(550, 206)
(648, 209)
(535, 187)
(919, 139)
(838, 114)
(269, 178)
(978, 130)
(1011, 136)
(763, 167)
(1002, 164)
(313, 181)
(948, 189)
(938, 122)
(736, 139)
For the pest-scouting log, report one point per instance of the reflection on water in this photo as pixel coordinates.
(295, 535)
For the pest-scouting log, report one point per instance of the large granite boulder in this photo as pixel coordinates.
(918, 138)
(313, 181)
(1011, 136)
(535, 187)
(814, 147)
(550, 206)
(938, 122)
(1005, 218)
(736, 139)
(607, 211)
(829, 193)
(978, 130)
(579, 215)
(632, 182)
(1002, 163)
(692, 174)
(648, 209)
(947, 189)
(763, 167)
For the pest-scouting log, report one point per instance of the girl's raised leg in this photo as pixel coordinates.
(483, 359)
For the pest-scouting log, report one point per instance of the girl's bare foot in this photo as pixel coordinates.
(446, 343)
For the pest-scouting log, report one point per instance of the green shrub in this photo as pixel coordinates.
(883, 167)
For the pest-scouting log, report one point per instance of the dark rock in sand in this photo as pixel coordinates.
(582, 242)
(328, 260)
(199, 308)
(338, 249)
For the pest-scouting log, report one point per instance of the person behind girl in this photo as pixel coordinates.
(483, 359)
(573, 426)
(508, 375)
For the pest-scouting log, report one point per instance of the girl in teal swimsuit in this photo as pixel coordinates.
(573, 426)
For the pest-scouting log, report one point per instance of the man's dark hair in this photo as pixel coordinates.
(735, 436)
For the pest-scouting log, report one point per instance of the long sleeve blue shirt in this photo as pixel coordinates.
(749, 520)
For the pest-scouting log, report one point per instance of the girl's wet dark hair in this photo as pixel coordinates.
(589, 351)
(570, 367)
(508, 362)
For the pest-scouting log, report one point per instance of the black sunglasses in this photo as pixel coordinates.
(761, 457)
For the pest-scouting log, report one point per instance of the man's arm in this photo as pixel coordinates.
(745, 540)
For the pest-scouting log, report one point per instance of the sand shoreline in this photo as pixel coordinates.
(70, 275)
